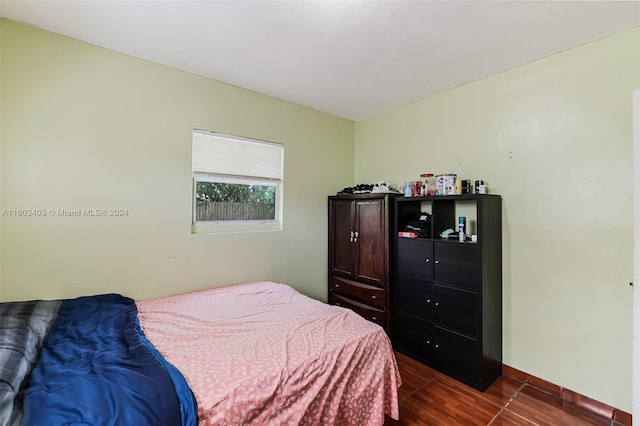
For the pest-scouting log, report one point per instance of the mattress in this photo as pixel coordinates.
(263, 353)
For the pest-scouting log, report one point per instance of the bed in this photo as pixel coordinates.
(252, 353)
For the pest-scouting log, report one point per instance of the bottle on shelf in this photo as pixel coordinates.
(462, 224)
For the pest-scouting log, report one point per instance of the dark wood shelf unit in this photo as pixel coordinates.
(447, 310)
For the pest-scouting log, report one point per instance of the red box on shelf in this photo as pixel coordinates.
(407, 234)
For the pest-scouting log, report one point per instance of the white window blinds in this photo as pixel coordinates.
(220, 154)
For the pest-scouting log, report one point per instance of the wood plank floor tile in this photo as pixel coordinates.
(409, 416)
(545, 409)
(450, 403)
(500, 392)
(414, 375)
(430, 398)
(507, 418)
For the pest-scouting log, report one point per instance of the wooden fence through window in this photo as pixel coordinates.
(221, 211)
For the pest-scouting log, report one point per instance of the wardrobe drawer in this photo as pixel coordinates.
(368, 312)
(367, 294)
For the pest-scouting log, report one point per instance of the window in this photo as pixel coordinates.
(237, 183)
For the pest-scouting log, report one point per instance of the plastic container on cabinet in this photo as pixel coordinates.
(429, 180)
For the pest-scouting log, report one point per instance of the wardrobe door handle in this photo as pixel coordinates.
(427, 260)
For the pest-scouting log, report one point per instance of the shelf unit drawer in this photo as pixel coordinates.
(456, 309)
(415, 296)
(368, 312)
(415, 258)
(413, 335)
(457, 264)
(365, 293)
(456, 354)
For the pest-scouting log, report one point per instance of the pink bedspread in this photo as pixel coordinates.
(262, 353)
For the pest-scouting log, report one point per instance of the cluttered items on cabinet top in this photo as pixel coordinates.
(380, 187)
(442, 185)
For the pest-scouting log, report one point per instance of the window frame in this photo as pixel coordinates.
(275, 224)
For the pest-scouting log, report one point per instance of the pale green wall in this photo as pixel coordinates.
(85, 127)
(554, 138)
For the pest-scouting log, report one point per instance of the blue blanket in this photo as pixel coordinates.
(96, 367)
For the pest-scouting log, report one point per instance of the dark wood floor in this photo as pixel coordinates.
(428, 397)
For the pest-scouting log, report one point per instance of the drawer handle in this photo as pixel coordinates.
(437, 303)
(428, 300)
(437, 346)
(374, 318)
(337, 285)
(337, 303)
(427, 260)
(428, 342)
(437, 261)
(373, 297)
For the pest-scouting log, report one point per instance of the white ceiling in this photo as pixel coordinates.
(353, 59)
